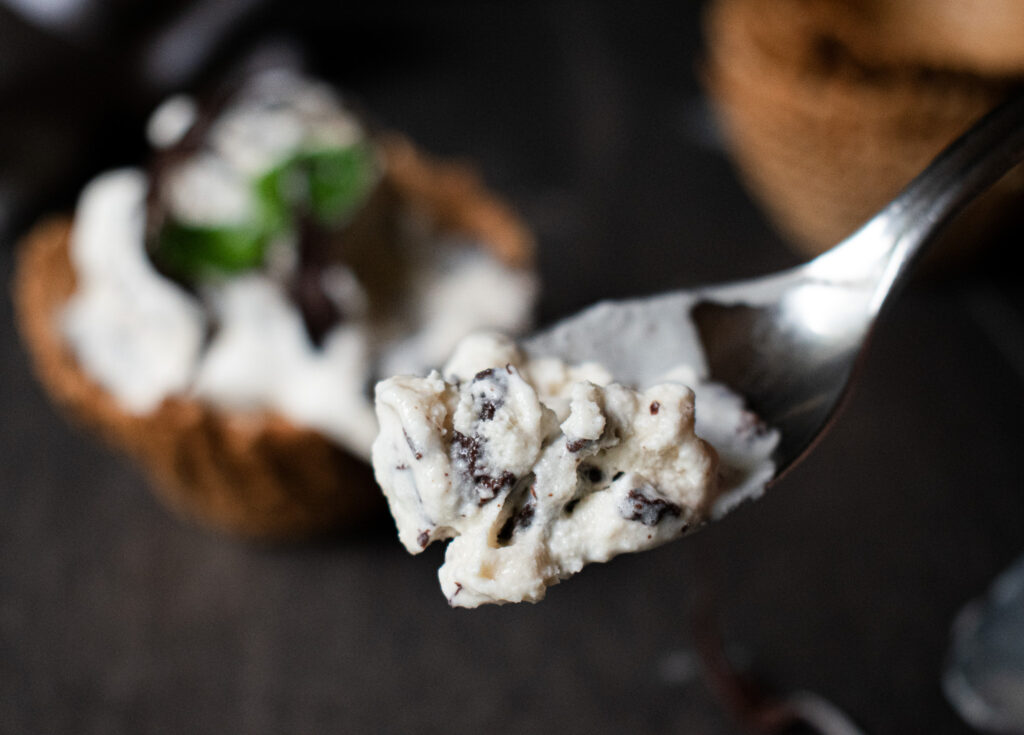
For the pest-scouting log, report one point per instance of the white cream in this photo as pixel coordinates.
(534, 468)
(253, 136)
(261, 358)
(138, 334)
(171, 121)
(206, 191)
(454, 291)
(141, 336)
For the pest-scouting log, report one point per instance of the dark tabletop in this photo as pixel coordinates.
(116, 617)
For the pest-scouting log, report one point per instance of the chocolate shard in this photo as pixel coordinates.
(487, 410)
(466, 451)
(649, 510)
(523, 518)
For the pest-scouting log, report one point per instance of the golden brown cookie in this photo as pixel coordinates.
(258, 476)
(830, 107)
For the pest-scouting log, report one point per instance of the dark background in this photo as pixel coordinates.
(589, 118)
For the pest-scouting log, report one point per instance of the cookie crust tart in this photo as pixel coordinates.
(829, 108)
(252, 471)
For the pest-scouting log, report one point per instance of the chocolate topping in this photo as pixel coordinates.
(319, 313)
(648, 510)
(466, 452)
(325, 232)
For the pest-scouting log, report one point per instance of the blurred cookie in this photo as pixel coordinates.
(830, 107)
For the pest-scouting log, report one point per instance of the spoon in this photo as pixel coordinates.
(789, 342)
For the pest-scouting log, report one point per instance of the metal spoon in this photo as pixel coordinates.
(789, 342)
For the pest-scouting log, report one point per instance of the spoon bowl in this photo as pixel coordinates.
(789, 342)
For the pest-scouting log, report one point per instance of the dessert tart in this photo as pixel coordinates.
(830, 107)
(222, 315)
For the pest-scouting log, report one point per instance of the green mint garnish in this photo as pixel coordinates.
(340, 180)
(194, 252)
(329, 184)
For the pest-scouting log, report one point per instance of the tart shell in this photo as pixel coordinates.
(254, 475)
(829, 107)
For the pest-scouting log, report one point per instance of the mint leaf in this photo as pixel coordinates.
(193, 252)
(340, 179)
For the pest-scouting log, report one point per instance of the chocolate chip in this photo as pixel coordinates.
(576, 444)
(423, 539)
(412, 447)
(648, 510)
(466, 451)
(490, 487)
(655, 407)
(522, 519)
(617, 476)
(489, 397)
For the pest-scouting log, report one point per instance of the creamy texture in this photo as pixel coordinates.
(144, 338)
(135, 332)
(275, 115)
(624, 334)
(534, 468)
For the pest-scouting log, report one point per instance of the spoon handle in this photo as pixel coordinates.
(885, 247)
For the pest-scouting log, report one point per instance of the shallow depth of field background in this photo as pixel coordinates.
(589, 117)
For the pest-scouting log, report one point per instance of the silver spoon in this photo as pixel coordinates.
(789, 342)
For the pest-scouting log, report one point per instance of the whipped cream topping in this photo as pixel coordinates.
(239, 342)
(135, 332)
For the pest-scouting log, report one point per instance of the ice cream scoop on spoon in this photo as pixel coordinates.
(789, 342)
(624, 427)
